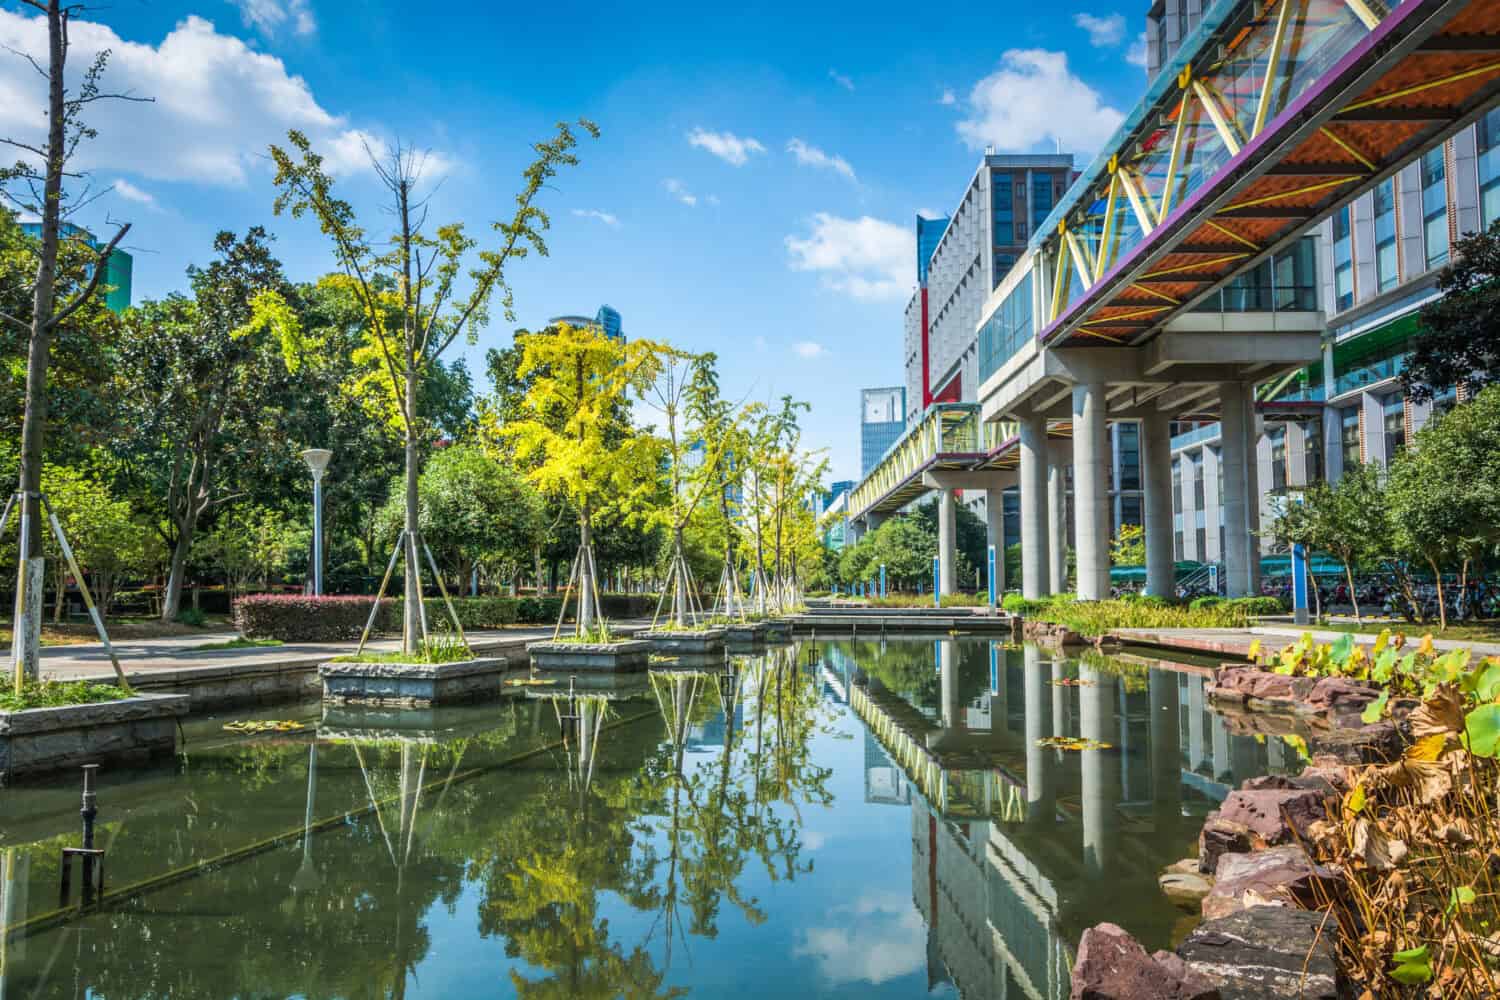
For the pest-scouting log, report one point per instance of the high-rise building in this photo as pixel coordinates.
(606, 320)
(881, 421)
(118, 270)
(960, 261)
(1168, 22)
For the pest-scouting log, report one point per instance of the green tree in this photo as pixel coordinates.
(1458, 334)
(100, 530)
(572, 435)
(905, 546)
(250, 543)
(410, 286)
(1128, 547)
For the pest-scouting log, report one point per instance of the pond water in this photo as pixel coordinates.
(857, 819)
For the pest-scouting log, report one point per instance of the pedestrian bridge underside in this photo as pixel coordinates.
(1271, 115)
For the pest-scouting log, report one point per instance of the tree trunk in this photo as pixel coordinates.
(585, 575)
(1437, 576)
(411, 621)
(171, 601)
(60, 572)
(1353, 598)
(679, 574)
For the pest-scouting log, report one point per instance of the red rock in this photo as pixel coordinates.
(1270, 814)
(1112, 965)
(1219, 837)
(1340, 694)
(1277, 875)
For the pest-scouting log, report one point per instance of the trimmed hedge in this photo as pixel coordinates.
(298, 618)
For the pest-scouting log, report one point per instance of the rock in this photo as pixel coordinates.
(1267, 781)
(1252, 682)
(1325, 774)
(1277, 876)
(1267, 951)
(1340, 695)
(1185, 889)
(1219, 837)
(1187, 866)
(1271, 814)
(1379, 743)
(1112, 965)
(1194, 983)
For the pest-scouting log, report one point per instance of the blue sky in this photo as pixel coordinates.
(753, 192)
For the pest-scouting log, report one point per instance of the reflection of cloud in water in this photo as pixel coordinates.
(813, 840)
(884, 942)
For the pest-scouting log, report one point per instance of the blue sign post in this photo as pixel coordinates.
(1299, 584)
(994, 665)
(990, 557)
(1213, 577)
(882, 580)
(937, 584)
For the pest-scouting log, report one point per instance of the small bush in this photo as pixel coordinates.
(1260, 605)
(473, 612)
(538, 610)
(298, 618)
(193, 617)
(1208, 601)
(57, 694)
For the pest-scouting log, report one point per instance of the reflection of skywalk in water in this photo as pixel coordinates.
(1018, 847)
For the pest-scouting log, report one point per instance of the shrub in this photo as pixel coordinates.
(1208, 601)
(1260, 605)
(56, 694)
(193, 617)
(473, 612)
(632, 605)
(298, 618)
(1098, 617)
(965, 600)
(538, 610)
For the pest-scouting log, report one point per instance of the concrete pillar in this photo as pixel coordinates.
(994, 522)
(1059, 454)
(1041, 805)
(1090, 491)
(1156, 478)
(1241, 499)
(1034, 575)
(947, 541)
(1188, 462)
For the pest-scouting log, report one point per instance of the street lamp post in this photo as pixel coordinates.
(317, 461)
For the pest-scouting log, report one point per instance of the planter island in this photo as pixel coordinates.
(690, 641)
(134, 729)
(747, 633)
(412, 684)
(626, 655)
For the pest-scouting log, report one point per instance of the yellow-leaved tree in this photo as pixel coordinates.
(574, 435)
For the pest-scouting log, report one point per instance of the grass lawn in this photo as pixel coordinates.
(240, 643)
(1486, 631)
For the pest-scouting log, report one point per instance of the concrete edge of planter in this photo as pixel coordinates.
(705, 634)
(29, 721)
(623, 646)
(414, 671)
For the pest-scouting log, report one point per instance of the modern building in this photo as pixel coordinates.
(1168, 22)
(882, 419)
(606, 320)
(961, 259)
(835, 490)
(118, 270)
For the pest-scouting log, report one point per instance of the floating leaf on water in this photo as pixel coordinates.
(1071, 743)
(530, 681)
(247, 726)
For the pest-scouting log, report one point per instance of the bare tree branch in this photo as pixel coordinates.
(61, 316)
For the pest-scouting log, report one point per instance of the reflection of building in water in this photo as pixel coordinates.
(884, 781)
(1017, 847)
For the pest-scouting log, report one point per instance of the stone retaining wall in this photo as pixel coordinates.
(39, 740)
(412, 684)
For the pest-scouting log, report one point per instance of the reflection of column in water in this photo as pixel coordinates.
(1221, 768)
(1166, 754)
(1195, 722)
(1100, 789)
(953, 716)
(1040, 806)
(15, 870)
(307, 878)
(1059, 699)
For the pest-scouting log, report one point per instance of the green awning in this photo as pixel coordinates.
(1386, 339)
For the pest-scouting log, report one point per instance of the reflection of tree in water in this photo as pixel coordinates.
(629, 815)
(910, 669)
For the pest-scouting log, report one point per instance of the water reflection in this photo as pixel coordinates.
(648, 839)
(1019, 845)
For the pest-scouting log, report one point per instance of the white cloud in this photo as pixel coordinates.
(841, 80)
(809, 350)
(812, 156)
(866, 258)
(268, 16)
(677, 190)
(725, 145)
(1136, 54)
(217, 104)
(130, 192)
(948, 97)
(1104, 32)
(875, 939)
(1032, 99)
(609, 219)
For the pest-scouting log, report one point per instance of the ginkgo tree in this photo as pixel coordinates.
(420, 289)
(573, 436)
(721, 427)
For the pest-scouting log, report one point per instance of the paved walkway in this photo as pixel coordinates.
(145, 656)
(1235, 642)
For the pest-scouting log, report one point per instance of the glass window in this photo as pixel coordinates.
(1435, 207)
(1444, 401)
(1003, 197)
(1177, 485)
(1387, 268)
(1343, 259)
(1128, 475)
(1003, 263)
(1312, 444)
(1130, 509)
(1349, 434)
(1197, 464)
(1041, 199)
(1489, 167)
(1393, 410)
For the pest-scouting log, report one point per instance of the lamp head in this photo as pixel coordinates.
(317, 459)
